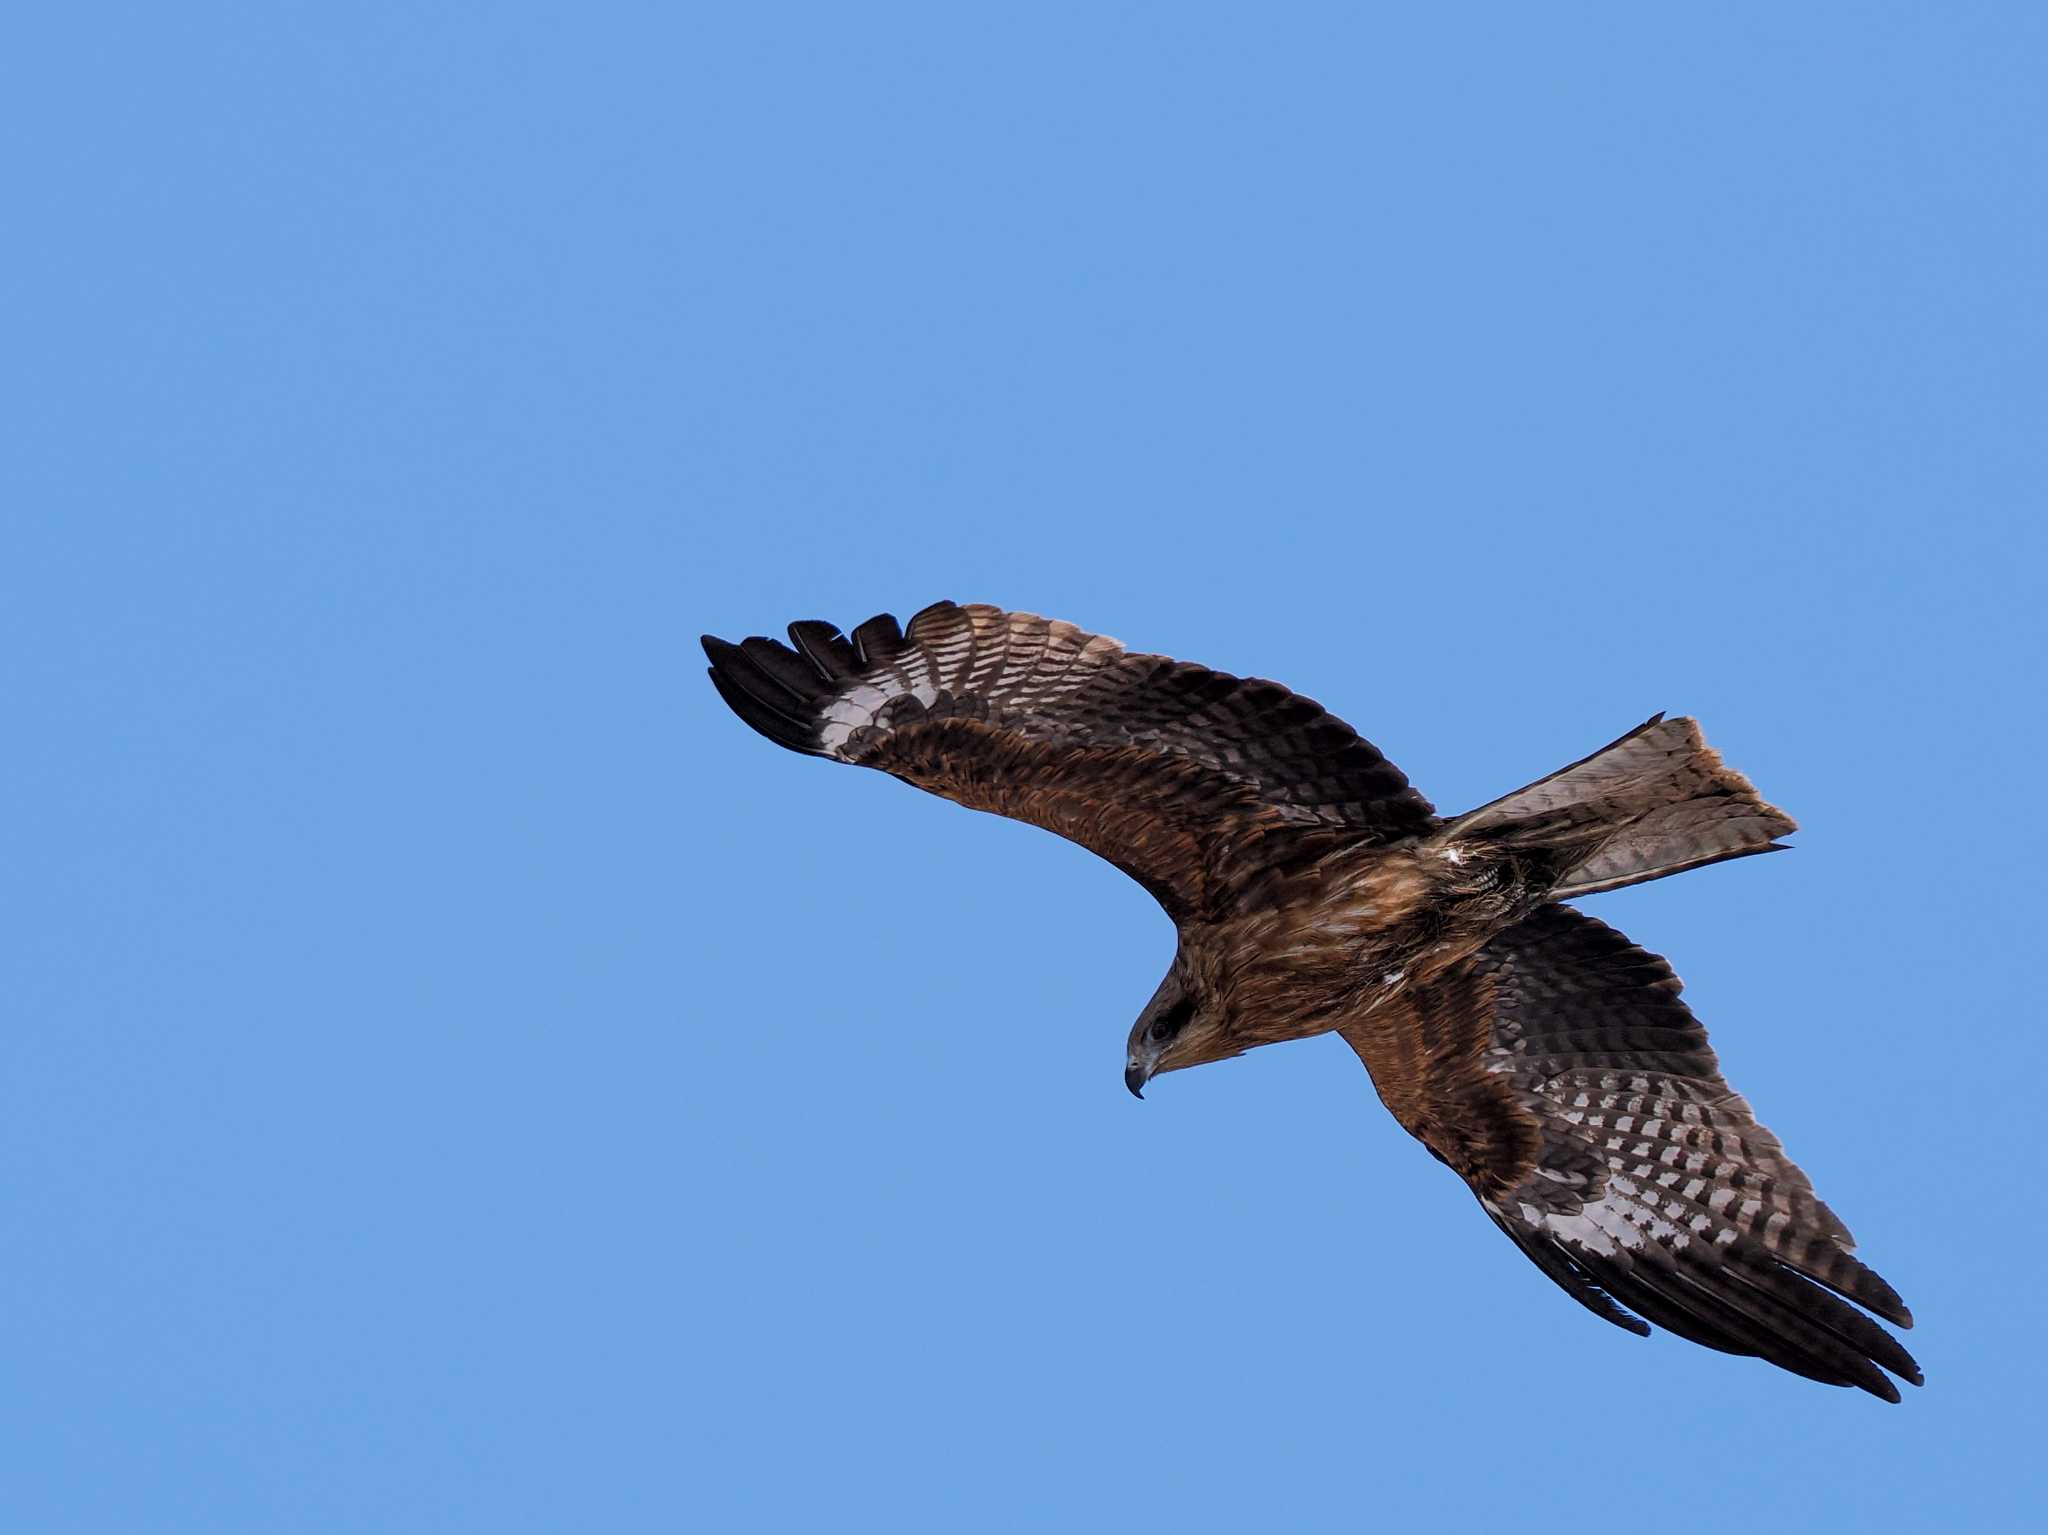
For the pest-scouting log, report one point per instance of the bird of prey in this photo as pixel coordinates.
(1544, 1058)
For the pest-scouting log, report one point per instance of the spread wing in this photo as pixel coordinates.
(1185, 778)
(1558, 1073)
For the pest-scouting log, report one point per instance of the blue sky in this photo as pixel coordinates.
(456, 1077)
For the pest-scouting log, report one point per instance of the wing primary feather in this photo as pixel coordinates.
(822, 645)
(1568, 1277)
(929, 613)
(1793, 1335)
(1818, 1307)
(1848, 1277)
(1705, 1320)
(786, 669)
(776, 726)
(877, 640)
(737, 667)
(762, 702)
(1721, 1296)
(1657, 1310)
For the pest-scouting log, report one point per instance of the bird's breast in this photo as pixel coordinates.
(1354, 933)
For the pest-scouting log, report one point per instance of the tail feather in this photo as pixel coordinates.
(1656, 802)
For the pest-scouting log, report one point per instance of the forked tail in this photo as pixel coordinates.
(1656, 802)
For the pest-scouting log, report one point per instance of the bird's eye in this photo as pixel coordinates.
(1168, 1023)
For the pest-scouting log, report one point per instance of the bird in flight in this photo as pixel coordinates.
(1543, 1057)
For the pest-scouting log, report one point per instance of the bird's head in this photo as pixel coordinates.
(1176, 1029)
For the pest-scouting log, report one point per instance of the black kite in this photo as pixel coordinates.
(1541, 1055)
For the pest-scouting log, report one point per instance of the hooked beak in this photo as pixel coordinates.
(1135, 1078)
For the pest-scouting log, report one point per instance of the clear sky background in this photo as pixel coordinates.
(455, 1077)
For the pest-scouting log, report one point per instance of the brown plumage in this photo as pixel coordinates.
(1540, 1055)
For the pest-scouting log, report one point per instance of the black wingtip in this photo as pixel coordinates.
(829, 652)
(766, 702)
(877, 640)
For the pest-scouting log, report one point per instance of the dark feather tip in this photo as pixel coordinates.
(828, 651)
(877, 640)
(770, 706)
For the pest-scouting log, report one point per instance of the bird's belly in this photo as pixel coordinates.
(1389, 928)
